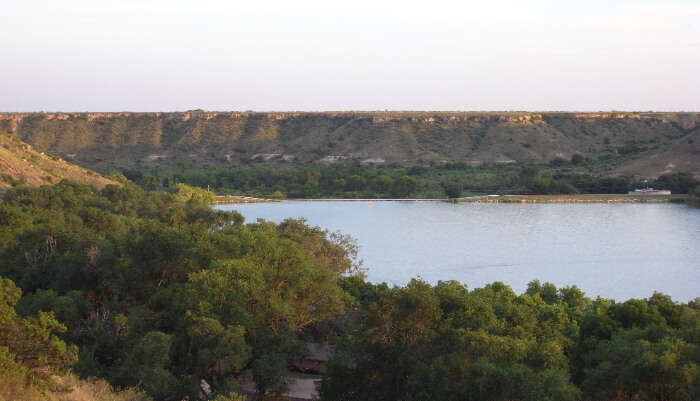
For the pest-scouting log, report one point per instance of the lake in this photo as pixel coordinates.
(617, 251)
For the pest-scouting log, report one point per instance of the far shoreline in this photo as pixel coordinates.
(576, 198)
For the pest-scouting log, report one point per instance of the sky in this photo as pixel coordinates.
(262, 55)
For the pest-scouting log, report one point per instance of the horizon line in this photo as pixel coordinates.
(349, 111)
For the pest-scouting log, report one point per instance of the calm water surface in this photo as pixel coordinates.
(616, 251)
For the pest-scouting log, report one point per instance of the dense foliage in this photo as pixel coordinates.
(444, 342)
(159, 291)
(422, 181)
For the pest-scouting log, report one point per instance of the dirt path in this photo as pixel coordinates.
(302, 389)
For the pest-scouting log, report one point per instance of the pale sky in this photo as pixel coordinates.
(168, 55)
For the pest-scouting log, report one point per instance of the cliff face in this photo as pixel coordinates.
(371, 137)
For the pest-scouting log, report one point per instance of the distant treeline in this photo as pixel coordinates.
(157, 290)
(427, 181)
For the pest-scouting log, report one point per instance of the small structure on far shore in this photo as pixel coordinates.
(649, 191)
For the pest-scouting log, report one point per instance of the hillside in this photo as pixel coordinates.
(21, 164)
(660, 142)
(682, 154)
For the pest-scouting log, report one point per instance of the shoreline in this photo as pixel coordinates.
(579, 198)
(235, 199)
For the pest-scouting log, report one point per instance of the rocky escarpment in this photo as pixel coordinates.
(369, 137)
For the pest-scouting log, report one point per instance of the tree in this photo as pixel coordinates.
(161, 291)
(356, 183)
(527, 175)
(546, 291)
(557, 162)
(404, 186)
(197, 195)
(147, 365)
(452, 189)
(633, 365)
(30, 347)
(383, 184)
(376, 365)
(577, 159)
(446, 343)
(681, 182)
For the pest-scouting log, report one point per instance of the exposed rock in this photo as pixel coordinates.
(266, 157)
(154, 157)
(332, 159)
(373, 160)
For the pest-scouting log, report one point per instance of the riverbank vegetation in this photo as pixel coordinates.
(695, 197)
(159, 292)
(453, 180)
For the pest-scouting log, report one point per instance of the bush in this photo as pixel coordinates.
(557, 161)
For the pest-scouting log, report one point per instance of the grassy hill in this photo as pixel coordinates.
(682, 154)
(21, 164)
(652, 143)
